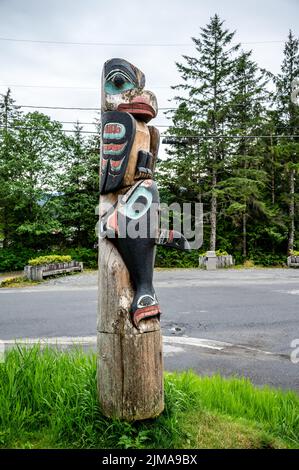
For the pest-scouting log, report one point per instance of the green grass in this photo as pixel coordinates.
(17, 281)
(22, 281)
(48, 399)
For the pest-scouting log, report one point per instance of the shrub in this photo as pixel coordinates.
(14, 259)
(221, 253)
(294, 253)
(169, 258)
(16, 281)
(268, 259)
(49, 259)
(11, 280)
(248, 263)
(89, 256)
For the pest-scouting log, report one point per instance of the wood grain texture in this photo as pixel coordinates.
(130, 360)
(154, 145)
(141, 142)
(116, 295)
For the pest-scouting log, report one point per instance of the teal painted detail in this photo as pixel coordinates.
(136, 213)
(114, 136)
(116, 168)
(111, 89)
(115, 152)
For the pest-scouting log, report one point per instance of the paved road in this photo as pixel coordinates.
(255, 311)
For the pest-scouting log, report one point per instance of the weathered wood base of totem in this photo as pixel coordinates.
(130, 361)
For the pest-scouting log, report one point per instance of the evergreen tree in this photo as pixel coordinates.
(37, 160)
(9, 117)
(246, 179)
(79, 185)
(203, 109)
(286, 122)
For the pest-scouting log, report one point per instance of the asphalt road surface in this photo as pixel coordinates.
(235, 322)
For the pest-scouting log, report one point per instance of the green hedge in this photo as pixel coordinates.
(49, 259)
(89, 256)
(170, 258)
(268, 259)
(14, 259)
(294, 253)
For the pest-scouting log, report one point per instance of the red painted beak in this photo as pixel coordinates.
(139, 107)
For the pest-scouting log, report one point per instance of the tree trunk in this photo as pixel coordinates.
(272, 174)
(130, 361)
(291, 211)
(5, 228)
(244, 234)
(213, 216)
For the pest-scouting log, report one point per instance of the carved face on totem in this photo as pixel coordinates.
(123, 100)
(123, 90)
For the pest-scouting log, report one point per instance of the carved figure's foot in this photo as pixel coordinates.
(147, 307)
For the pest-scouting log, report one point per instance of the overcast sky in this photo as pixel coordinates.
(69, 75)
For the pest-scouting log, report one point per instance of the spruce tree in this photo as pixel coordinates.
(242, 190)
(204, 105)
(79, 186)
(286, 120)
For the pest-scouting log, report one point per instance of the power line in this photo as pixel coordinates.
(73, 43)
(99, 109)
(94, 123)
(58, 107)
(133, 44)
(78, 122)
(33, 128)
(90, 109)
(68, 87)
(168, 139)
(75, 108)
(187, 137)
(156, 125)
(16, 85)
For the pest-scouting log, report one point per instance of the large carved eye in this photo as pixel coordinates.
(139, 203)
(118, 82)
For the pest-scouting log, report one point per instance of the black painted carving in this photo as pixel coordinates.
(137, 246)
(115, 69)
(118, 133)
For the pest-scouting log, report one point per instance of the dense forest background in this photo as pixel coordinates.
(233, 145)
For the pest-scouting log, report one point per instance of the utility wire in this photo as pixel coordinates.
(99, 109)
(156, 125)
(94, 123)
(68, 87)
(33, 128)
(73, 43)
(75, 108)
(222, 136)
(199, 137)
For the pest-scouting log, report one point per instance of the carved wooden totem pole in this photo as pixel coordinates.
(130, 361)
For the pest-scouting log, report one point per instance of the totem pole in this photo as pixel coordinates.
(130, 361)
